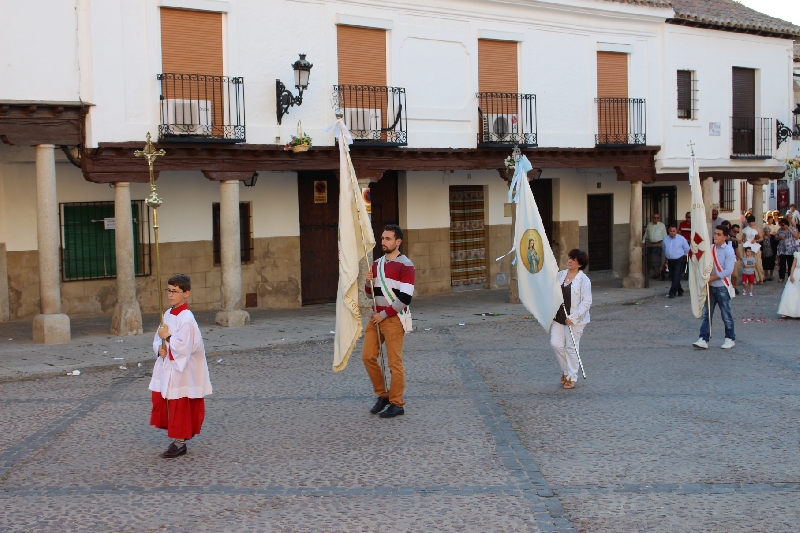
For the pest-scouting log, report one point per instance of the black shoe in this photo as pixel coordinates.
(680, 294)
(380, 405)
(175, 450)
(392, 411)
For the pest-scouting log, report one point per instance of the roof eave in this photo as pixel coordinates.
(734, 29)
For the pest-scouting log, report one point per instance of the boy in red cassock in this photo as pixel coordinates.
(180, 375)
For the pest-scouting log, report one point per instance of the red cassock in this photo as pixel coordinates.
(181, 380)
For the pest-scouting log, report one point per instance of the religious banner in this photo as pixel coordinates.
(699, 244)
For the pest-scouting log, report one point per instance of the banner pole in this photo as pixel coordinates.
(580, 363)
(708, 303)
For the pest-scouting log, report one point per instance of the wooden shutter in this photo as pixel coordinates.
(362, 55)
(497, 66)
(191, 42)
(612, 75)
(744, 92)
(684, 94)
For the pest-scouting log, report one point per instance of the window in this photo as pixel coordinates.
(687, 95)
(88, 244)
(245, 232)
(727, 194)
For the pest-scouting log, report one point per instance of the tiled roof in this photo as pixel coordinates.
(731, 16)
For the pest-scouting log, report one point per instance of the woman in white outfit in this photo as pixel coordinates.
(790, 301)
(577, 291)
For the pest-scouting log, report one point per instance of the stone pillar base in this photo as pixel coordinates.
(232, 319)
(51, 329)
(127, 319)
(634, 281)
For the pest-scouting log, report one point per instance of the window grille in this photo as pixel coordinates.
(727, 194)
(743, 196)
(687, 95)
(88, 249)
(245, 232)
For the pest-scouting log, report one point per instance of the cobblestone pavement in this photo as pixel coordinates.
(93, 347)
(660, 437)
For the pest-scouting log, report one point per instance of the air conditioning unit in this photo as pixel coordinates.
(499, 126)
(188, 117)
(366, 120)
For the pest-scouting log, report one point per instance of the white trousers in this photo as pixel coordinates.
(566, 353)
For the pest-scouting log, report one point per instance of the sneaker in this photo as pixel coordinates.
(700, 343)
(728, 344)
(380, 405)
(751, 294)
(392, 411)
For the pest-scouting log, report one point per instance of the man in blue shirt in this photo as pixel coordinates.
(675, 249)
(720, 290)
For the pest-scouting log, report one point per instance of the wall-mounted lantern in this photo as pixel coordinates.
(284, 98)
(252, 181)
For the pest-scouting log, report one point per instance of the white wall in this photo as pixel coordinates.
(712, 54)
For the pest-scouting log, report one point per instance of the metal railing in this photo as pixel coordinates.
(796, 127)
(201, 107)
(507, 118)
(374, 114)
(88, 245)
(752, 137)
(621, 121)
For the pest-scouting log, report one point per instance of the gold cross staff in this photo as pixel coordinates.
(154, 202)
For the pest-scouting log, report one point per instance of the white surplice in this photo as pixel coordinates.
(186, 374)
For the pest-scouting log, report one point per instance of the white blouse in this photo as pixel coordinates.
(581, 301)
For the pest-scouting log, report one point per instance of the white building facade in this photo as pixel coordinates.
(603, 97)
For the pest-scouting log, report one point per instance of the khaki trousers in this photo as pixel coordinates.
(392, 334)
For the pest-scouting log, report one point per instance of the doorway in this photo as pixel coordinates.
(661, 200)
(385, 210)
(319, 237)
(542, 190)
(600, 226)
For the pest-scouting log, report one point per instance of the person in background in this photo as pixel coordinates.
(769, 248)
(675, 249)
(790, 299)
(785, 237)
(716, 220)
(748, 270)
(653, 236)
(685, 227)
(751, 236)
(733, 242)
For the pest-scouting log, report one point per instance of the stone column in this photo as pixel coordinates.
(232, 314)
(707, 185)
(127, 317)
(51, 326)
(5, 305)
(635, 278)
(758, 199)
(364, 302)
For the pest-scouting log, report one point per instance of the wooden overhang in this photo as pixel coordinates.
(112, 162)
(32, 122)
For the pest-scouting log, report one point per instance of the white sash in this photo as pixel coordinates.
(405, 314)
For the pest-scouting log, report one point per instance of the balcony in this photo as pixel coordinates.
(507, 118)
(200, 107)
(621, 122)
(752, 137)
(375, 115)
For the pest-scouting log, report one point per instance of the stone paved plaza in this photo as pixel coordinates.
(660, 437)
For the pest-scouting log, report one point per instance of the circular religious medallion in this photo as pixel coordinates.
(531, 251)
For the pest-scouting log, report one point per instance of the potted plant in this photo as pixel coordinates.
(299, 143)
(793, 169)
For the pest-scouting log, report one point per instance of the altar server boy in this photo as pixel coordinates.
(180, 375)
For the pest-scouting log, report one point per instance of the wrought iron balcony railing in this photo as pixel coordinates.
(752, 137)
(201, 107)
(621, 122)
(507, 118)
(796, 127)
(373, 113)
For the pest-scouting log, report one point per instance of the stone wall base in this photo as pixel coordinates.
(126, 320)
(51, 329)
(232, 319)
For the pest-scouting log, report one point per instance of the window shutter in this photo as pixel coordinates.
(684, 94)
(744, 92)
(612, 75)
(361, 55)
(497, 66)
(191, 42)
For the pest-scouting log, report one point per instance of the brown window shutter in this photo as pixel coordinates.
(612, 75)
(684, 94)
(362, 55)
(191, 42)
(497, 66)
(744, 92)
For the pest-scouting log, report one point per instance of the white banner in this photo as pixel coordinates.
(699, 245)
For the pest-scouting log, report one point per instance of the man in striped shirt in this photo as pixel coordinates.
(393, 278)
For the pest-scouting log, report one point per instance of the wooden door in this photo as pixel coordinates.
(543, 194)
(612, 91)
(383, 194)
(319, 246)
(600, 222)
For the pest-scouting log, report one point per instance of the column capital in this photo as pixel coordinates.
(50, 146)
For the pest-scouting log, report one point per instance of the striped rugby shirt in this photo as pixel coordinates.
(400, 276)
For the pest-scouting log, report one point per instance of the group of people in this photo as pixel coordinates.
(180, 377)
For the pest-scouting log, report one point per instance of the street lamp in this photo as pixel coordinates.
(796, 114)
(284, 98)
